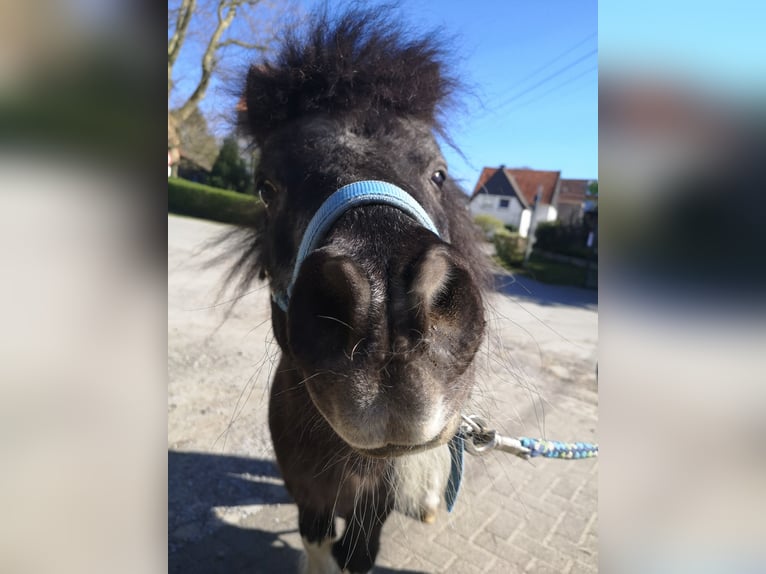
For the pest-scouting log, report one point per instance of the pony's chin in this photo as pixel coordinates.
(395, 450)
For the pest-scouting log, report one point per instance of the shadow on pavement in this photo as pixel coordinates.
(200, 542)
(544, 293)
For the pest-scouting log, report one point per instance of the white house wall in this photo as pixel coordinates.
(543, 213)
(486, 204)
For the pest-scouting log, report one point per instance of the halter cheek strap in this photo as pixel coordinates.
(351, 195)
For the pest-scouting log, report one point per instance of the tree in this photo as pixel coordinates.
(212, 26)
(593, 189)
(230, 171)
(199, 144)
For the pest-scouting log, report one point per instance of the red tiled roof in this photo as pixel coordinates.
(527, 181)
(530, 180)
(573, 190)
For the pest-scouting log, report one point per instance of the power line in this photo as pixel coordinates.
(557, 58)
(557, 87)
(545, 79)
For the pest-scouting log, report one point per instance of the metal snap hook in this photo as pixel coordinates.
(481, 443)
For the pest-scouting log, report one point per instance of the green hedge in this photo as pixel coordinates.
(564, 239)
(509, 246)
(197, 200)
(488, 224)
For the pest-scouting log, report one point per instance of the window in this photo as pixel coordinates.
(504, 203)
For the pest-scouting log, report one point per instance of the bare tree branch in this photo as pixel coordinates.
(185, 12)
(212, 23)
(227, 10)
(241, 44)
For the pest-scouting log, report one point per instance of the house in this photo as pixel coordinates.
(512, 194)
(573, 200)
(193, 149)
(194, 166)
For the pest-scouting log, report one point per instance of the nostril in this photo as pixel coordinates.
(431, 281)
(444, 301)
(329, 309)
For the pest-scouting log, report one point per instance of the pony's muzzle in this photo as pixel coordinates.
(382, 355)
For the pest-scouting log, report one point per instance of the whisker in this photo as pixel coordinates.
(350, 328)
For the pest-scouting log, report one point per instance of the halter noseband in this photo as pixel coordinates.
(351, 195)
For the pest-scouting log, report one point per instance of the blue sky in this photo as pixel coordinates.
(533, 67)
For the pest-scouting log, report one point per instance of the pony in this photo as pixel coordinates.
(379, 322)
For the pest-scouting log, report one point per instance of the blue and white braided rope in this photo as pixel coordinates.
(558, 449)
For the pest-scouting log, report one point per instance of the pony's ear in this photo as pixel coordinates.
(265, 101)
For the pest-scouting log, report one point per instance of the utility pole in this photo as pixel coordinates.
(532, 227)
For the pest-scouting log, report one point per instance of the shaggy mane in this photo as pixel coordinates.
(363, 64)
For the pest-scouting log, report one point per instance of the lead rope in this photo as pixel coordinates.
(475, 436)
(480, 439)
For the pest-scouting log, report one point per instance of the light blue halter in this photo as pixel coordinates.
(353, 195)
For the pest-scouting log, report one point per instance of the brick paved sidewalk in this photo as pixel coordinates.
(511, 516)
(228, 511)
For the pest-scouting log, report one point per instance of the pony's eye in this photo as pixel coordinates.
(438, 177)
(266, 191)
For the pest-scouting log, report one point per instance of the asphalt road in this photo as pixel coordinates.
(227, 509)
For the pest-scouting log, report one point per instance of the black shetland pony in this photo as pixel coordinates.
(384, 316)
